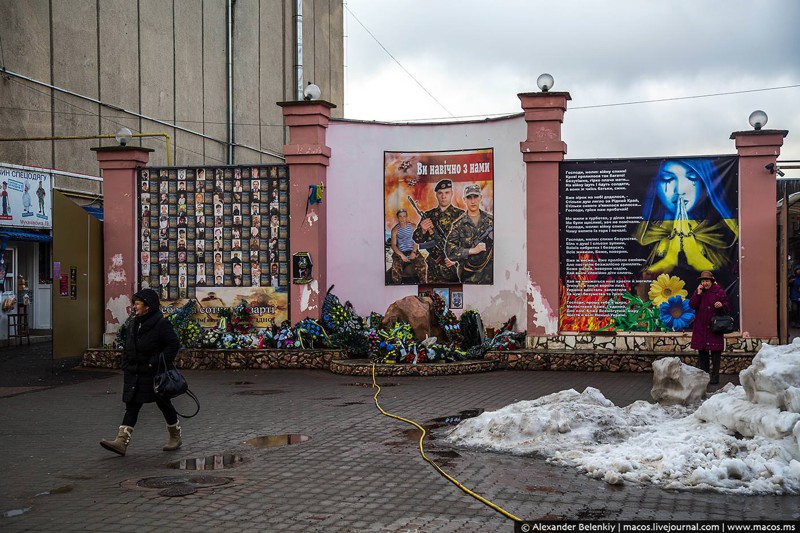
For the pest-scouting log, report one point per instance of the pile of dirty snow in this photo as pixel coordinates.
(743, 439)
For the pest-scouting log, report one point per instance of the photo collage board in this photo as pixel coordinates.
(213, 228)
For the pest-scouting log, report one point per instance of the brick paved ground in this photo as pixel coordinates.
(359, 472)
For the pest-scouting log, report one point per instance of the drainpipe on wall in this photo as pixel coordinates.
(298, 65)
(229, 71)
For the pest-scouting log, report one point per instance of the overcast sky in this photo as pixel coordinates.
(475, 57)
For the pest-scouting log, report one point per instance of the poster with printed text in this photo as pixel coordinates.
(636, 234)
(26, 198)
(439, 217)
(216, 235)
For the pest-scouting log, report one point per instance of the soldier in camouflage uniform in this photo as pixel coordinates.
(432, 231)
(470, 242)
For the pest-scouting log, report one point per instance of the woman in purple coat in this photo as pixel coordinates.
(708, 300)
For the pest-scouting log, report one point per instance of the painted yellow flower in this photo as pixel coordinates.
(665, 287)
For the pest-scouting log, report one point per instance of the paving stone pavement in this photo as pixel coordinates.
(359, 472)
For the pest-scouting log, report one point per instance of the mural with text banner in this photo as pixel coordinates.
(218, 235)
(26, 198)
(439, 217)
(635, 235)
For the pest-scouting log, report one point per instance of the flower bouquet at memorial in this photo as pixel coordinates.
(186, 327)
(375, 321)
(285, 338)
(311, 334)
(210, 338)
(241, 319)
(506, 339)
(395, 344)
(447, 320)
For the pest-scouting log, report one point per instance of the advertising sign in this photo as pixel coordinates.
(439, 217)
(26, 198)
(636, 234)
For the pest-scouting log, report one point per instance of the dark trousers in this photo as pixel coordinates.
(132, 412)
(716, 356)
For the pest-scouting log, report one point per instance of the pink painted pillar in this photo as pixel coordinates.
(758, 232)
(542, 152)
(118, 166)
(307, 157)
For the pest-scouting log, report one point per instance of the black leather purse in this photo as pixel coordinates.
(168, 383)
(722, 324)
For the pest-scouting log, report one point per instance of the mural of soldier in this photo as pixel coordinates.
(433, 228)
(470, 242)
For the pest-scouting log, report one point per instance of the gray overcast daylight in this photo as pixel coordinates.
(474, 57)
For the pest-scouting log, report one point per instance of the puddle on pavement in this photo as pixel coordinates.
(437, 423)
(173, 486)
(242, 383)
(272, 441)
(15, 512)
(60, 490)
(209, 462)
(259, 392)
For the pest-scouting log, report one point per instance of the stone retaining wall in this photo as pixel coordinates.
(363, 367)
(593, 361)
(201, 359)
(639, 342)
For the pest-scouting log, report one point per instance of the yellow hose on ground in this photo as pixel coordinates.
(431, 462)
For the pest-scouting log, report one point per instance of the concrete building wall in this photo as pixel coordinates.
(355, 211)
(165, 59)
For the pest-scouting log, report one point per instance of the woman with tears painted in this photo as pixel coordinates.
(149, 335)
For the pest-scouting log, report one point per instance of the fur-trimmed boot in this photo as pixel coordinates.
(174, 441)
(120, 444)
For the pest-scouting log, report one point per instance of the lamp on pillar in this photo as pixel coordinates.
(758, 150)
(545, 82)
(312, 92)
(123, 136)
(542, 151)
(308, 157)
(758, 119)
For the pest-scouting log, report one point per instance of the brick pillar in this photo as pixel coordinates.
(758, 232)
(542, 151)
(307, 157)
(118, 166)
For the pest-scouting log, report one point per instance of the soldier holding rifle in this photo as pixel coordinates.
(470, 242)
(432, 231)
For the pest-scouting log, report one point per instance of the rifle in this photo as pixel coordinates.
(436, 229)
(479, 261)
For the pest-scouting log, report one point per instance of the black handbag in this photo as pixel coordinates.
(168, 383)
(722, 324)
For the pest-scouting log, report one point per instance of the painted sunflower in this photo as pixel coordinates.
(676, 313)
(665, 287)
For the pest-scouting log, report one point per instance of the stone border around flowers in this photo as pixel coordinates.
(593, 353)
(363, 367)
(639, 342)
(202, 359)
(593, 361)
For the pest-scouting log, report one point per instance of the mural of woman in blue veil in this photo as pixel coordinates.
(687, 218)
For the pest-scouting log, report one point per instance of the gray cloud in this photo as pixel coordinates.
(475, 56)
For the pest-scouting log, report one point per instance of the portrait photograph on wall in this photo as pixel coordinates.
(439, 217)
(216, 235)
(635, 236)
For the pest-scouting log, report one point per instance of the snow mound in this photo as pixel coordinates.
(742, 439)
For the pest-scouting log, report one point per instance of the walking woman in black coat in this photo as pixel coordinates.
(149, 335)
